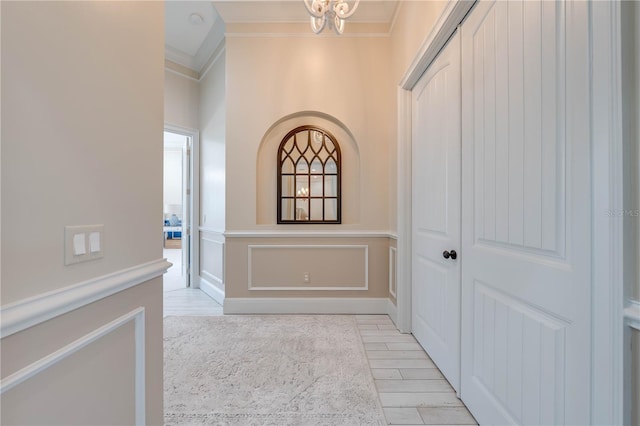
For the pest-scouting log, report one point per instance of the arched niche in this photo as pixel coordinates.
(266, 166)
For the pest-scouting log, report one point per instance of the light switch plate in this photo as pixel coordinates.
(93, 238)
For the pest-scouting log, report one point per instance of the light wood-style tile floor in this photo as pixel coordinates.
(189, 302)
(180, 300)
(410, 387)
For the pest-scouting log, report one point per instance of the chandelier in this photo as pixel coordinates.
(331, 13)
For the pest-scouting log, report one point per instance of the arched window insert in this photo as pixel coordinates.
(309, 177)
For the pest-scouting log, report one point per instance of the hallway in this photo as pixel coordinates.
(180, 300)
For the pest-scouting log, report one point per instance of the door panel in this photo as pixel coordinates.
(525, 223)
(436, 211)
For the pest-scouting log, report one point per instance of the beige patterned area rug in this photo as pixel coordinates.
(303, 370)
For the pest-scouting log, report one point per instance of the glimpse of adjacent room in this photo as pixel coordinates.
(175, 249)
(181, 296)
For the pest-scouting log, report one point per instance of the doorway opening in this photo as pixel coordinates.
(176, 208)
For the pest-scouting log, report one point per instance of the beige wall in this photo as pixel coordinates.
(85, 119)
(273, 262)
(81, 144)
(212, 175)
(213, 136)
(181, 102)
(271, 77)
(275, 83)
(414, 21)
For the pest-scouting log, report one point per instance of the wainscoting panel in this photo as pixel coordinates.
(116, 347)
(326, 267)
(212, 259)
(212, 275)
(393, 258)
(264, 266)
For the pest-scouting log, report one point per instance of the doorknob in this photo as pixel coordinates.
(450, 254)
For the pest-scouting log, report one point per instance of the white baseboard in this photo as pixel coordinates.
(305, 305)
(212, 291)
(392, 311)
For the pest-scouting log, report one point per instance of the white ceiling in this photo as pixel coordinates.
(193, 45)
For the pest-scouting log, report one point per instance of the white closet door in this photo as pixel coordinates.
(526, 240)
(436, 211)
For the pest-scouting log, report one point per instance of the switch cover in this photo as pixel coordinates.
(78, 244)
(83, 243)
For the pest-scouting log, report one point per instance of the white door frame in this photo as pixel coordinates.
(607, 285)
(194, 208)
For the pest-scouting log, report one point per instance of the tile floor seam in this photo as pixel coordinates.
(418, 376)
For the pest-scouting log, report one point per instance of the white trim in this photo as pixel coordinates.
(181, 74)
(404, 191)
(392, 311)
(42, 364)
(194, 208)
(394, 18)
(208, 276)
(364, 287)
(213, 240)
(34, 310)
(393, 260)
(307, 305)
(452, 15)
(209, 230)
(309, 234)
(607, 331)
(212, 290)
(220, 50)
(306, 35)
(207, 279)
(632, 314)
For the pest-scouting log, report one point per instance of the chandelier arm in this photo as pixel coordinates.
(351, 12)
(314, 24)
(312, 12)
(338, 26)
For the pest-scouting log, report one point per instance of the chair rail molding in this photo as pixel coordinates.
(273, 233)
(34, 310)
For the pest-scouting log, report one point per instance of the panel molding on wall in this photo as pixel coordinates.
(392, 311)
(334, 247)
(310, 234)
(306, 305)
(210, 282)
(34, 310)
(211, 275)
(136, 315)
(393, 261)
